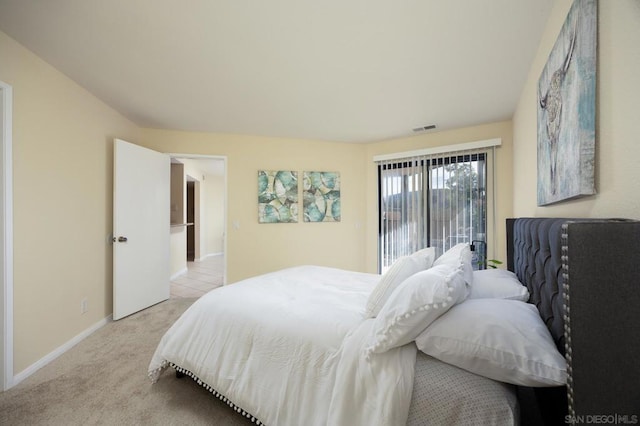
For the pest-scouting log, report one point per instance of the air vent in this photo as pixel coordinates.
(424, 128)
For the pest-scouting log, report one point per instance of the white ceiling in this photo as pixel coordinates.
(339, 70)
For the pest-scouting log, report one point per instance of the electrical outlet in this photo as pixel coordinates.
(84, 306)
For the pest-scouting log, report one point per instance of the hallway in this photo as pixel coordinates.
(201, 277)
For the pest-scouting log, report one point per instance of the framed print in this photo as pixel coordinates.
(321, 196)
(277, 196)
(567, 110)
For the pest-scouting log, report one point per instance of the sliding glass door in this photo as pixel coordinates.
(431, 201)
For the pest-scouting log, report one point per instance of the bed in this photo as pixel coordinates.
(318, 345)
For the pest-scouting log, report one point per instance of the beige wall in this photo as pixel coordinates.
(214, 199)
(503, 175)
(178, 251)
(617, 127)
(254, 248)
(257, 248)
(62, 164)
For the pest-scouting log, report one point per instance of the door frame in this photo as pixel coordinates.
(226, 201)
(6, 219)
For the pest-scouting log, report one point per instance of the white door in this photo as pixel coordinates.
(141, 246)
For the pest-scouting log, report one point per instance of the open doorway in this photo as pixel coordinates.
(198, 230)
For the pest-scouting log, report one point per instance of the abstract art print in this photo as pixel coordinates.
(567, 109)
(321, 196)
(277, 196)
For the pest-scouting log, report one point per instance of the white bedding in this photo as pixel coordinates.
(287, 347)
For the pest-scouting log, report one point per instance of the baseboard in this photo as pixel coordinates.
(209, 255)
(59, 351)
(179, 273)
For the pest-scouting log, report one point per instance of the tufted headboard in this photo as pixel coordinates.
(534, 253)
(584, 275)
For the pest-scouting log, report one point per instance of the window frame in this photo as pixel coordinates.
(443, 157)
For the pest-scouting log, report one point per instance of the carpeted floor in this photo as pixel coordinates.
(103, 381)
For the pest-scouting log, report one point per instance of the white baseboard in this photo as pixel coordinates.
(209, 255)
(59, 351)
(177, 274)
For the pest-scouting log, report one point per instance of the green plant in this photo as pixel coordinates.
(490, 263)
(493, 263)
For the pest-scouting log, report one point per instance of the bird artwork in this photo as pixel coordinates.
(551, 103)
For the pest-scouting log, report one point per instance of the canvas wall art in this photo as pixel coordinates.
(277, 196)
(321, 196)
(567, 109)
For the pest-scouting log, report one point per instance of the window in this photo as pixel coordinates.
(436, 200)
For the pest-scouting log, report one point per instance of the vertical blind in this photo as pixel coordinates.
(433, 200)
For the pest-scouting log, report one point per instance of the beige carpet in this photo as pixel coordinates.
(103, 381)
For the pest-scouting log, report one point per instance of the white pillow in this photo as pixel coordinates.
(428, 254)
(460, 253)
(497, 284)
(401, 269)
(418, 301)
(504, 340)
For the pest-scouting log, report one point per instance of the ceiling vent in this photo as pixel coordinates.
(424, 128)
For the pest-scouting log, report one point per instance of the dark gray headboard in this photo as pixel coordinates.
(534, 253)
(584, 277)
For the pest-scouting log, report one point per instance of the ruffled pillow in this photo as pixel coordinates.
(401, 269)
(417, 302)
(456, 255)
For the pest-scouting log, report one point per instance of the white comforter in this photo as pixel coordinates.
(287, 347)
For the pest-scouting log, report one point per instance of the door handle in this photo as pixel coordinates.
(120, 239)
